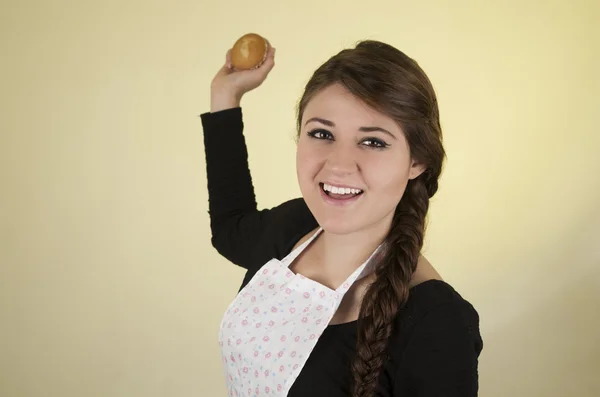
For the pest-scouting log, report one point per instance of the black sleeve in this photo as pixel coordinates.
(442, 355)
(240, 232)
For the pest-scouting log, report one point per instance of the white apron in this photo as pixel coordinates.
(273, 324)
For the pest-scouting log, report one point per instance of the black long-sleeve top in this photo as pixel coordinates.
(435, 349)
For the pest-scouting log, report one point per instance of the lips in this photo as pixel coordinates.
(339, 194)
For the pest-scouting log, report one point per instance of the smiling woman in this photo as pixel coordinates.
(343, 152)
(337, 299)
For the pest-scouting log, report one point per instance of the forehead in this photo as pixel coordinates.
(338, 105)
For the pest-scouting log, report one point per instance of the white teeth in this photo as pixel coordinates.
(340, 190)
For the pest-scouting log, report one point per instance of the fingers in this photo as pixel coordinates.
(270, 51)
(269, 61)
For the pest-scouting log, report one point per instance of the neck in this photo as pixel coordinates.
(341, 254)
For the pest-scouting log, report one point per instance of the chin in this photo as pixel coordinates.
(338, 227)
(335, 223)
(335, 219)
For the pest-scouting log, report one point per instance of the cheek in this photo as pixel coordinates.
(388, 178)
(307, 163)
(304, 168)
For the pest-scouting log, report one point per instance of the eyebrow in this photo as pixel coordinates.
(330, 123)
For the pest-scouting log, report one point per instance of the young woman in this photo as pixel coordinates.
(337, 299)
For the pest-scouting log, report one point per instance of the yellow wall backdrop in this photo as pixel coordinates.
(108, 283)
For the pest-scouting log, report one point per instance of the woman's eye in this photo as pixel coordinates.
(375, 143)
(320, 134)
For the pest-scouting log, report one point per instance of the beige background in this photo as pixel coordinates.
(108, 283)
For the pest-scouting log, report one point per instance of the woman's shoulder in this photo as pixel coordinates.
(283, 226)
(433, 296)
(435, 309)
(436, 344)
(291, 221)
(428, 294)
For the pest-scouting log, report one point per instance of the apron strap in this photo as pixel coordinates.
(295, 253)
(362, 271)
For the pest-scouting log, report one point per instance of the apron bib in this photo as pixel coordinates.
(273, 324)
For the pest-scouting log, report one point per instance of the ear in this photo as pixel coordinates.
(416, 169)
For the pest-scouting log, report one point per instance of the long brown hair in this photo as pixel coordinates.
(389, 81)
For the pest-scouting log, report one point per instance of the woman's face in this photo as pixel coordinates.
(353, 163)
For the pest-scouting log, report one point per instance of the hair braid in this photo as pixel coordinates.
(389, 292)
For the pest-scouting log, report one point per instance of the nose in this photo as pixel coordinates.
(341, 161)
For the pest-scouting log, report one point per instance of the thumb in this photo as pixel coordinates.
(226, 68)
